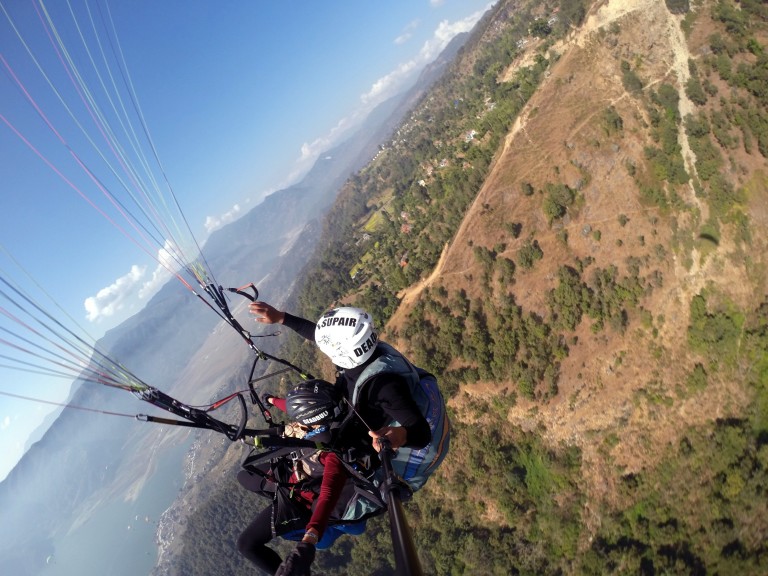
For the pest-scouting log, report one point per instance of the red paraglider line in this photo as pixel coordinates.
(97, 120)
(77, 159)
(81, 193)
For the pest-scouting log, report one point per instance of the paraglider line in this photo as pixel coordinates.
(63, 405)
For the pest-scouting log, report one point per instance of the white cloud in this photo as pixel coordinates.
(445, 33)
(160, 276)
(170, 256)
(407, 32)
(403, 38)
(310, 150)
(388, 85)
(115, 297)
(169, 259)
(6, 422)
(126, 294)
(385, 87)
(214, 222)
(436, 3)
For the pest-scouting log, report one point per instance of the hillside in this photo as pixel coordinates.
(623, 380)
(570, 229)
(561, 138)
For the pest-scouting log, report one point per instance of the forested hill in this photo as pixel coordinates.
(571, 230)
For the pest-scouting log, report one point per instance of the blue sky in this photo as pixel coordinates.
(239, 99)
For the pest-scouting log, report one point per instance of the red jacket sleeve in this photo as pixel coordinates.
(279, 403)
(334, 478)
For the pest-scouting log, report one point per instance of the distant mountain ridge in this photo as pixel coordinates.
(270, 244)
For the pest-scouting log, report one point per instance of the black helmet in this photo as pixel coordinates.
(314, 402)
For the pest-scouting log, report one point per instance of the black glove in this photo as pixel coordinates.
(266, 399)
(297, 563)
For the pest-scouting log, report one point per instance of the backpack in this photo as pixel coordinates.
(415, 466)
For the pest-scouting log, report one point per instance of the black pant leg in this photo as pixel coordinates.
(252, 542)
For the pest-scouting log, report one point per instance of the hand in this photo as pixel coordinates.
(265, 313)
(297, 563)
(397, 436)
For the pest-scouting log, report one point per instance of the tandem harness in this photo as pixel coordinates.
(286, 475)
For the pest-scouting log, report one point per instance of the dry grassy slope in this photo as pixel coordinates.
(560, 128)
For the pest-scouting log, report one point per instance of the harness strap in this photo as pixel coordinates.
(170, 421)
(196, 418)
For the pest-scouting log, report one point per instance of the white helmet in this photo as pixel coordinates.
(347, 336)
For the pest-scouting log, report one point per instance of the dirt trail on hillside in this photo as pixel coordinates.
(408, 295)
(613, 11)
(601, 16)
(609, 12)
(690, 279)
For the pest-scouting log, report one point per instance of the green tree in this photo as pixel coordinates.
(540, 28)
(695, 91)
(528, 254)
(612, 122)
(568, 300)
(557, 200)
